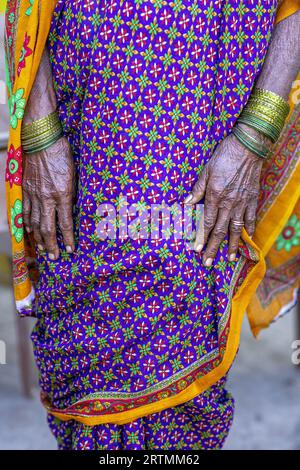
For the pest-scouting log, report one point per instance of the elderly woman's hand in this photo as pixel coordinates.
(230, 183)
(48, 191)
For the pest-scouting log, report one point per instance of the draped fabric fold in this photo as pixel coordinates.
(95, 368)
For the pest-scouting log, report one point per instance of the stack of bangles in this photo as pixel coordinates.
(266, 112)
(41, 134)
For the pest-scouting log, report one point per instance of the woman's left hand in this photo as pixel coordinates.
(230, 183)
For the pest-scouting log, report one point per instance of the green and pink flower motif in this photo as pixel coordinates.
(290, 235)
(25, 52)
(17, 221)
(16, 105)
(14, 166)
(29, 9)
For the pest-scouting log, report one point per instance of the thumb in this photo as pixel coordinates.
(198, 189)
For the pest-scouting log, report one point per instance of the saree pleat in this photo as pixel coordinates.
(200, 424)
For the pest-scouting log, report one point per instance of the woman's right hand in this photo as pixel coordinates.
(48, 192)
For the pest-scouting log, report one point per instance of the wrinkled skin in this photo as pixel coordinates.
(229, 182)
(48, 192)
(49, 175)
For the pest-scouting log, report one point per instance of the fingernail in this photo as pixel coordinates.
(188, 199)
(232, 257)
(69, 249)
(51, 256)
(208, 262)
(40, 247)
(199, 248)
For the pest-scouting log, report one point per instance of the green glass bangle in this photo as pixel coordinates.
(44, 144)
(278, 125)
(243, 139)
(47, 122)
(260, 125)
(266, 112)
(44, 141)
(40, 148)
(261, 113)
(248, 136)
(41, 137)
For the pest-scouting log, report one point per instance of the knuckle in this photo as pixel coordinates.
(220, 233)
(250, 220)
(233, 245)
(251, 228)
(215, 193)
(66, 227)
(67, 230)
(211, 252)
(51, 247)
(208, 221)
(36, 237)
(47, 232)
(208, 227)
(35, 224)
(235, 230)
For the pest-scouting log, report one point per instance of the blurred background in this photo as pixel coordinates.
(263, 380)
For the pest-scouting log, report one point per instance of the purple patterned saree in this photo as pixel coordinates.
(132, 329)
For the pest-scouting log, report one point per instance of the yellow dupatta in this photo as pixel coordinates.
(277, 231)
(25, 42)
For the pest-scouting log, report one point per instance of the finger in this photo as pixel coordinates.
(250, 218)
(26, 212)
(35, 217)
(217, 236)
(48, 230)
(198, 190)
(209, 219)
(236, 227)
(65, 221)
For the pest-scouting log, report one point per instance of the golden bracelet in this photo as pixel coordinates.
(42, 133)
(265, 111)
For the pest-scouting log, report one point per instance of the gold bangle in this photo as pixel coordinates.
(260, 125)
(271, 105)
(270, 96)
(44, 123)
(42, 145)
(274, 114)
(254, 100)
(35, 137)
(42, 133)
